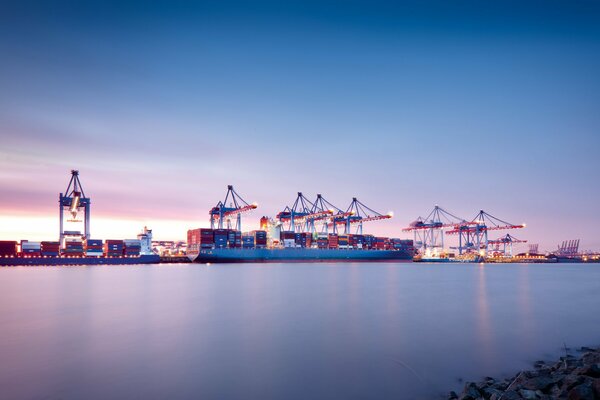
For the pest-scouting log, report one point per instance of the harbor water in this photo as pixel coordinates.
(285, 331)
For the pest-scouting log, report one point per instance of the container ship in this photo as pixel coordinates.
(292, 235)
(75, 246)
(79, 251)
(231, 246)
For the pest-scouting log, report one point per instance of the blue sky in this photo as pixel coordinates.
(465, 104)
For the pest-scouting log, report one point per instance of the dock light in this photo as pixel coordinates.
(390, 214)
(524, 225)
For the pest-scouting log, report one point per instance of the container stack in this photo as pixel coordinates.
(207, 238)
(288, 238)
(343, 241)
(193, 236)
(260, 239)
(220, 238)
(230, 238)
(380, 243)
(368, 242)
(298, 239)
(8, 248)
(248, 241)
(132, 247)
(50, 249)
(113, 248)
(200, 238)
(237, 240)
(305, 239)
(94, 248)
(31, 249)
(333, 241)
(403, 245)
(73, 248)
(322, 241)
(357, 241)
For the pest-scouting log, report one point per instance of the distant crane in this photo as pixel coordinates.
(534, 248)
(507, 244)
(568, 248)
(473, 235)
(356, 214)
(74, 201)
(222, 213)
(429, 231)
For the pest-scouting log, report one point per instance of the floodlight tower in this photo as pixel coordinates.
(74, 202)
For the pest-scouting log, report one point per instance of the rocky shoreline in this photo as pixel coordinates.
(571, 378)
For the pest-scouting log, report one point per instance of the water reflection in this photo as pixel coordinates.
(484, 335)
(296, 331)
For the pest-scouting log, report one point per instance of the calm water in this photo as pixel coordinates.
(299, 331)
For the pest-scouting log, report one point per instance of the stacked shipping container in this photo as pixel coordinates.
(221, 237)
(31, 249)
(113, 248)
(203, 238)
(94, 248)
(260, 239)
(8, 248)
(322, 241)
(73, 247)
(132, 247)
(50, 249)
(333, 241)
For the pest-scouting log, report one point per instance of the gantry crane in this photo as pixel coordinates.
(473, 235)
(294, 218)
(223, 213)
(325, 211)
(507, 244)
(74, 201)
(356, 214)
(429, 231)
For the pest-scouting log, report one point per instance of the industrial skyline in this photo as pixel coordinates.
(160, 108)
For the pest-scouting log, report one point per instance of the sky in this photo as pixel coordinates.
(160, 105)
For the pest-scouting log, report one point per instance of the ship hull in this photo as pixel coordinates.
(51, 261)
(296, 255)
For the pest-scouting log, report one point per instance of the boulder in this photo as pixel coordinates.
(581, 392)
(470, 392)
(593, 370)
(542, 383)
(596, 387)
(511, 395)
(591, 358)
(488, 392)
(528, 394)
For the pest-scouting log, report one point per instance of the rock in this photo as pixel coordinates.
(596, 387)
(470, 392)
(542, 383)
(528, 394)
(488, 392)
(570, 381)
(452, 395)
(558, 378)
(591, 358)
(511, 395)
(500, 385)
(581, 392)
(593, 370)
